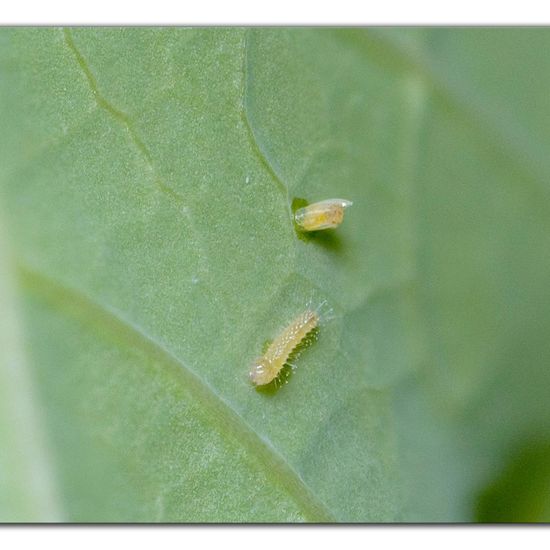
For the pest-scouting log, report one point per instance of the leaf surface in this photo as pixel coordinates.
(148, 253)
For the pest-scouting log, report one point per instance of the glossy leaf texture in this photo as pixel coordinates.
(147, 253)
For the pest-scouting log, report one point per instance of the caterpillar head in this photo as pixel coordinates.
(260, 373)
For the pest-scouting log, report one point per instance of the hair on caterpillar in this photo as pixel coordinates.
(299, 334)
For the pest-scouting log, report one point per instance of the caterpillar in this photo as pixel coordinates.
(326, 214)
(267, 367)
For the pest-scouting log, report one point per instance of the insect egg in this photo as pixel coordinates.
(267, 367)
(326, 214)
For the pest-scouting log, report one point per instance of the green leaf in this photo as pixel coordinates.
(147, 253)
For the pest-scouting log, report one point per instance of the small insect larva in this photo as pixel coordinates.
(321, 215)
(268, 366)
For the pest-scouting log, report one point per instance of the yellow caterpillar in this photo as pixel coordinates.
(267, 367)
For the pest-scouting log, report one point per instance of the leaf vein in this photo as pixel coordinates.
(119, 116)
(253, 138)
